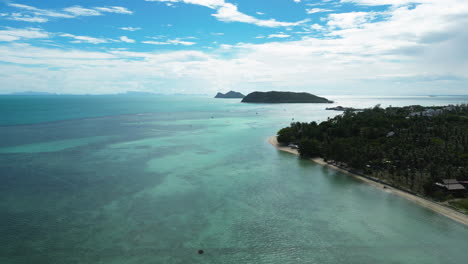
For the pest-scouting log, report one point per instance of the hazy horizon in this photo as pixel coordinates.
(135, 93)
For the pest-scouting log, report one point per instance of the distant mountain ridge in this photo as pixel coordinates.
(230, 95)
(284, 97)
(31, 93)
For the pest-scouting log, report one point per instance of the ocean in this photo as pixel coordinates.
(153, 179)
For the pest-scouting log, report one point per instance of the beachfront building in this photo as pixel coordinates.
(452, 186)
(464, 183)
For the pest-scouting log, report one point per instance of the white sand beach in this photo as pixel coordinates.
(436, 207)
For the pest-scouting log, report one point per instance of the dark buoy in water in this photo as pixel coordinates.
(200, 251)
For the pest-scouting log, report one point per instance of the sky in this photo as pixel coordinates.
(382, 47)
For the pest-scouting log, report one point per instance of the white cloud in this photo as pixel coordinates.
(279, 35)
(81, 11)
(93, 40)
(397, 53)
(13, 34)
(152, 42)
(26, 18)
(126, 39)
(37, 15)
(317, 10)
(384, 2)
(350, 20)
(228, 12)
(84, 39)
(317, 27)
(213, 4)
(41, 12)
(33, 14)
(130, 28)
(115, 9)
(170, 42)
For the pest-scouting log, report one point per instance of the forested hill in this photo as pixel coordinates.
(230, 95)
(410, 147)
(283, 97)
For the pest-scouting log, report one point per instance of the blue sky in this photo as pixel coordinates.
(205, 46)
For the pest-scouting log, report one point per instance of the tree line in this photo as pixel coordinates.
(403, 146)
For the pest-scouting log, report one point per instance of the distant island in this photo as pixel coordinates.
(420, 150)
(341, 108)
(284, 97)
(32, 93)
(230, 95)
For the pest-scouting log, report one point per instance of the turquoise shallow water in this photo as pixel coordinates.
(114, 179)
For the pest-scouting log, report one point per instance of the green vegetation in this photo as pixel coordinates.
(230, 95)
(410, 147)
(461, 204)
(283, 97)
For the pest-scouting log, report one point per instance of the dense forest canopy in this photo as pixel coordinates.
(410, 147)
(283, 97)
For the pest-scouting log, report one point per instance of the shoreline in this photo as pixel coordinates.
(434, 206)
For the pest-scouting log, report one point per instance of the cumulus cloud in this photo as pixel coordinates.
(228, 12)
(394, 53)
(317, 27)
(126, 39)
(350, 20)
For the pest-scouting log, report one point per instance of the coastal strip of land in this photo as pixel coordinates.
(434, 206)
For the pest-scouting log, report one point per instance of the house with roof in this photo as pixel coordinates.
(452, 186)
